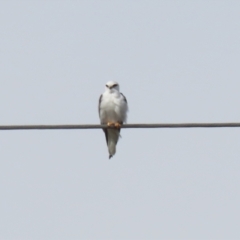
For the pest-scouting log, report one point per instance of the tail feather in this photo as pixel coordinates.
(113, 136)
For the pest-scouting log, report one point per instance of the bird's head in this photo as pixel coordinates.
(112, 86)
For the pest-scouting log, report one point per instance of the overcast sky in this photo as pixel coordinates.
(175, 61)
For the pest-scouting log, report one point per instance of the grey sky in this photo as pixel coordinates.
(176, 61)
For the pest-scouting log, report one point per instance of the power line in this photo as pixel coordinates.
(98, 126)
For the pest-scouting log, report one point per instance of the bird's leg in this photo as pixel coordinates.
(117, 125)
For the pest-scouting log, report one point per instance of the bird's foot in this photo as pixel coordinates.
(110, 124)
(117, 125)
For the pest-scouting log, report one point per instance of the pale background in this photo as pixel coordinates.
(176, 61)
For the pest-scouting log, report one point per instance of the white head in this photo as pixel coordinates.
(112, 86)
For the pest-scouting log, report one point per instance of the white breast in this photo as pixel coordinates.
(111, 108)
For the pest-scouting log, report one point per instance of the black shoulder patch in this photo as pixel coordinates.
(99, 102)
(124, 98)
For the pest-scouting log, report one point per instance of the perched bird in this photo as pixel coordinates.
(112, 110)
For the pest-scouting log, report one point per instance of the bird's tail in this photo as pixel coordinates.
(113, 135)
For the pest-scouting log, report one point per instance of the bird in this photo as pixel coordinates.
(112, 109)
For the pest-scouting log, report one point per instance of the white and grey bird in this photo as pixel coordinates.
(112, 110)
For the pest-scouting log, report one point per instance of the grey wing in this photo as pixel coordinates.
(125, 100)
(104, 129)
(106, 134)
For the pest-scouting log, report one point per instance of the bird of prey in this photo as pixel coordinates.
(112, 109)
